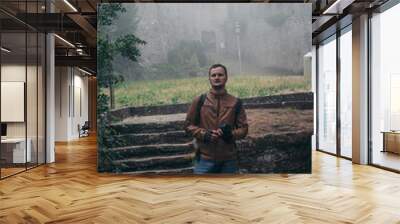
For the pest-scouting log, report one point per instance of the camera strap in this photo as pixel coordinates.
(198, 108)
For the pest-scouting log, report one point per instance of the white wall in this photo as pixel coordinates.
(81, 81)
(12, 73)
(71, 102)
(62, 82)
(33, 126)
(17, 73)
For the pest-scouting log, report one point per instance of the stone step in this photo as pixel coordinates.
(171, 137)
(141, 151)
(187, 170)
(137, 128)
(155, 163)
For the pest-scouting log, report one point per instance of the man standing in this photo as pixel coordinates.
(216, 120)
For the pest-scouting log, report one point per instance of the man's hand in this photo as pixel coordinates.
(213, 135)
(216, 134)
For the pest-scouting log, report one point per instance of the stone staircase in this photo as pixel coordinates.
(159, 147)
(151, 140)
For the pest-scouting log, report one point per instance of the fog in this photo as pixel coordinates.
(185, 39)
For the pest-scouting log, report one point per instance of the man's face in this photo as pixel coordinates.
(218, 77)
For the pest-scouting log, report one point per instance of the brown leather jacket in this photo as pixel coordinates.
(218, 108)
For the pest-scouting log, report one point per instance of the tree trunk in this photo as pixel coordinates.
(112, 97)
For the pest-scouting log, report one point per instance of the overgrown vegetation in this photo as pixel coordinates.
(173, 91)
(186, 59)
(125, 45)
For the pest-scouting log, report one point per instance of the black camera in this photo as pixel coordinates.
(226, 132)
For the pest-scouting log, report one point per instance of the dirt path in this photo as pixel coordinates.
(263, 121)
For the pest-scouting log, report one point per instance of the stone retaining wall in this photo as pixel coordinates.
(276, 153)
(294, 100)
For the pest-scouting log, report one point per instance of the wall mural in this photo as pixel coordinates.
(204, 88)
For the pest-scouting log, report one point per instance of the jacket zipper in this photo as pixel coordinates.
(215, 153)
(218, 110)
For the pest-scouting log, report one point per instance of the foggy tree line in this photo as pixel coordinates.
(184, 39)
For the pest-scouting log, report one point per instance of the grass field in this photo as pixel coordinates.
(161, 92)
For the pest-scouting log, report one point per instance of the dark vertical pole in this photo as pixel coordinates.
(112, 103)
(338, 74)
(73, 91)
(369, 96)
(60, 86)
(317, 96)
(45, 88)
(26, 85)
(69, 94)
(37, 87)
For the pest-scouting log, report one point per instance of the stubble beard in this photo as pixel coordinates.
(219, 87)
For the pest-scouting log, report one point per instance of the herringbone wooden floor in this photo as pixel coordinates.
(71, 191)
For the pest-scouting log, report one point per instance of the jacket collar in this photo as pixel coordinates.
(214, 93)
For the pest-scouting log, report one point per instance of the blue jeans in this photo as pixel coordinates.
(209, 166)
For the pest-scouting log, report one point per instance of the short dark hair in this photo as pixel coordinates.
(216, 66)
